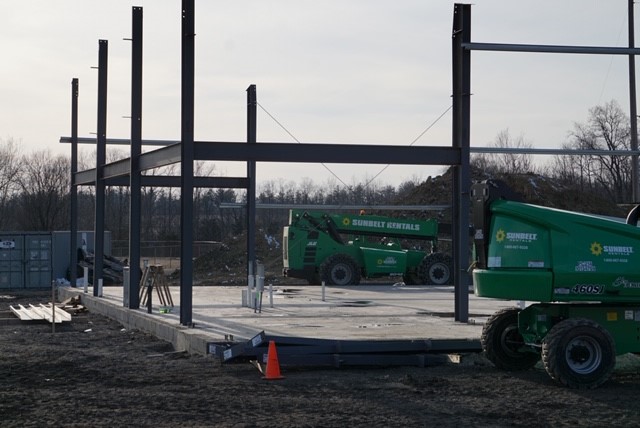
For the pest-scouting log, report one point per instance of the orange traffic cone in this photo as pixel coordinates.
(273, 366)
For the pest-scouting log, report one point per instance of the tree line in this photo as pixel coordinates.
(35, 187)
(35, 196)
(607, 128)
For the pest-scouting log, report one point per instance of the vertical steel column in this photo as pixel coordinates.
(633, 110)
(251, 175)
(461, 177)
(135, 190)
(186, 179)
(73, 230)
(98, 238)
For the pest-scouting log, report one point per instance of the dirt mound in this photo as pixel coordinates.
(227, 263)
(533, 188)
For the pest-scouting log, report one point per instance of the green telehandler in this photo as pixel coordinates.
(341, 249)
(582, 272)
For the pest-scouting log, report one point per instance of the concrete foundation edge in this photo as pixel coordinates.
(182, 338)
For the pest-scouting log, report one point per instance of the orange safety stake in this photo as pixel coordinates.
(273, 366)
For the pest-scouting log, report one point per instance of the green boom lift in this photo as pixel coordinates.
(582, 271)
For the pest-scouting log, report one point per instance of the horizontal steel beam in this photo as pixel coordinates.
(117, 169)
(154, 159)
(594, 50)
(174, 181)
(311, 351)
(85, 178)
(327, 153)
(160, 157)
(316, 153)
(342, 360)
(120, 141)
(566, 152)
(282, 152)
(124, 141)
(339, 207)
(291, 152)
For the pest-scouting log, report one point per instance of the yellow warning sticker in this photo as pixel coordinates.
(612, 316)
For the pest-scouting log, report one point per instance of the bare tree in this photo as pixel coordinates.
(10, 166)
(117, 202)
(506, 163)
(607, 128)
(202, 212)
(574, 170)
(117, 211)
(44, 186)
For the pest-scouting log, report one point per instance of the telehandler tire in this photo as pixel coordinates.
(314, 279)
(411, 279)
(340, 269)
(579, 353)
(435, 269)
(502, 342)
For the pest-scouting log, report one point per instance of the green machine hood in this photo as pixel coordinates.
(529, 252)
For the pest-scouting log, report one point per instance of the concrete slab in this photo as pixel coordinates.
(363, 312)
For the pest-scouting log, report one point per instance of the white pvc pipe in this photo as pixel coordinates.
(250, 282)
(86, 279)
(260, 278)
(259, 287)
(271, 295)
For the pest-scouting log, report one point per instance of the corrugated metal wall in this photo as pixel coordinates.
(34, 259)
(37, 250)
(25, 260)
(11, 261)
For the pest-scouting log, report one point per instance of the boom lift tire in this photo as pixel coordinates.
(435, 269)
(502, 343)
(579, 353)
(340, 269)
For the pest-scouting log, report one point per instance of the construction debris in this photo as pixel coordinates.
(73, 305)
(112, 268)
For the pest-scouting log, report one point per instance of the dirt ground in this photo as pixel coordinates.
(92, 373)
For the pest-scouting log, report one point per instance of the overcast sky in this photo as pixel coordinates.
(357, 71)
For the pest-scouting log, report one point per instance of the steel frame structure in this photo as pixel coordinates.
(129, 171)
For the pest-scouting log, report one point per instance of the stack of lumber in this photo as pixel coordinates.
(59, 313)
(41, 312)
